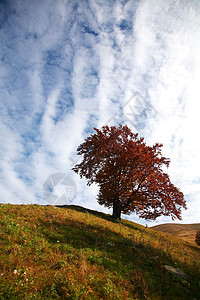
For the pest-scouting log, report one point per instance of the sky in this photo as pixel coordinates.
(69, 66)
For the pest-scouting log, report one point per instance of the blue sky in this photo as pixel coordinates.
(67, 66)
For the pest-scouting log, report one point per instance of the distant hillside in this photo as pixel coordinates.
(186, 232)
(74, 253)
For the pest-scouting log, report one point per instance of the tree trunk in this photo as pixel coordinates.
(116, 211)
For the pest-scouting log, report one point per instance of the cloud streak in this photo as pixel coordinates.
(68, 66)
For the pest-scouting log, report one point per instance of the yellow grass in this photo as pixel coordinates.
(74, 253)
(186, 232)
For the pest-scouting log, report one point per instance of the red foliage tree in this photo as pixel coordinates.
(129, 174)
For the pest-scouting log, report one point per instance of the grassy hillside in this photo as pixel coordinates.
(187, 232)
(72, 253)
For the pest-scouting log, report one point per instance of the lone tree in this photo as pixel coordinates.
(197, 238)
(129, 174)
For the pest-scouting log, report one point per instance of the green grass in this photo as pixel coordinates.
(73, 253)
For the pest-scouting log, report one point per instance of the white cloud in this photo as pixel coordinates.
(66, 67)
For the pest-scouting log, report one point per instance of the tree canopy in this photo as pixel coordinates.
(129, 174)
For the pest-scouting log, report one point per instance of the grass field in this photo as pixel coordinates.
(187, 232)
(73, 253)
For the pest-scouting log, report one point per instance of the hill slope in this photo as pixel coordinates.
(73, 253)
(187, 232)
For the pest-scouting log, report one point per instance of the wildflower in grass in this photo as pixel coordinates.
(15, 272)
(110, 244)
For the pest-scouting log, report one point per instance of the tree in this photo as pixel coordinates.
(129, 174)
(197, 238)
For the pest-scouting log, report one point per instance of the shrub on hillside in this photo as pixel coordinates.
(197, 239)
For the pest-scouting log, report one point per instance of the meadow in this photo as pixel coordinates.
(71, 252)
(187, 232)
